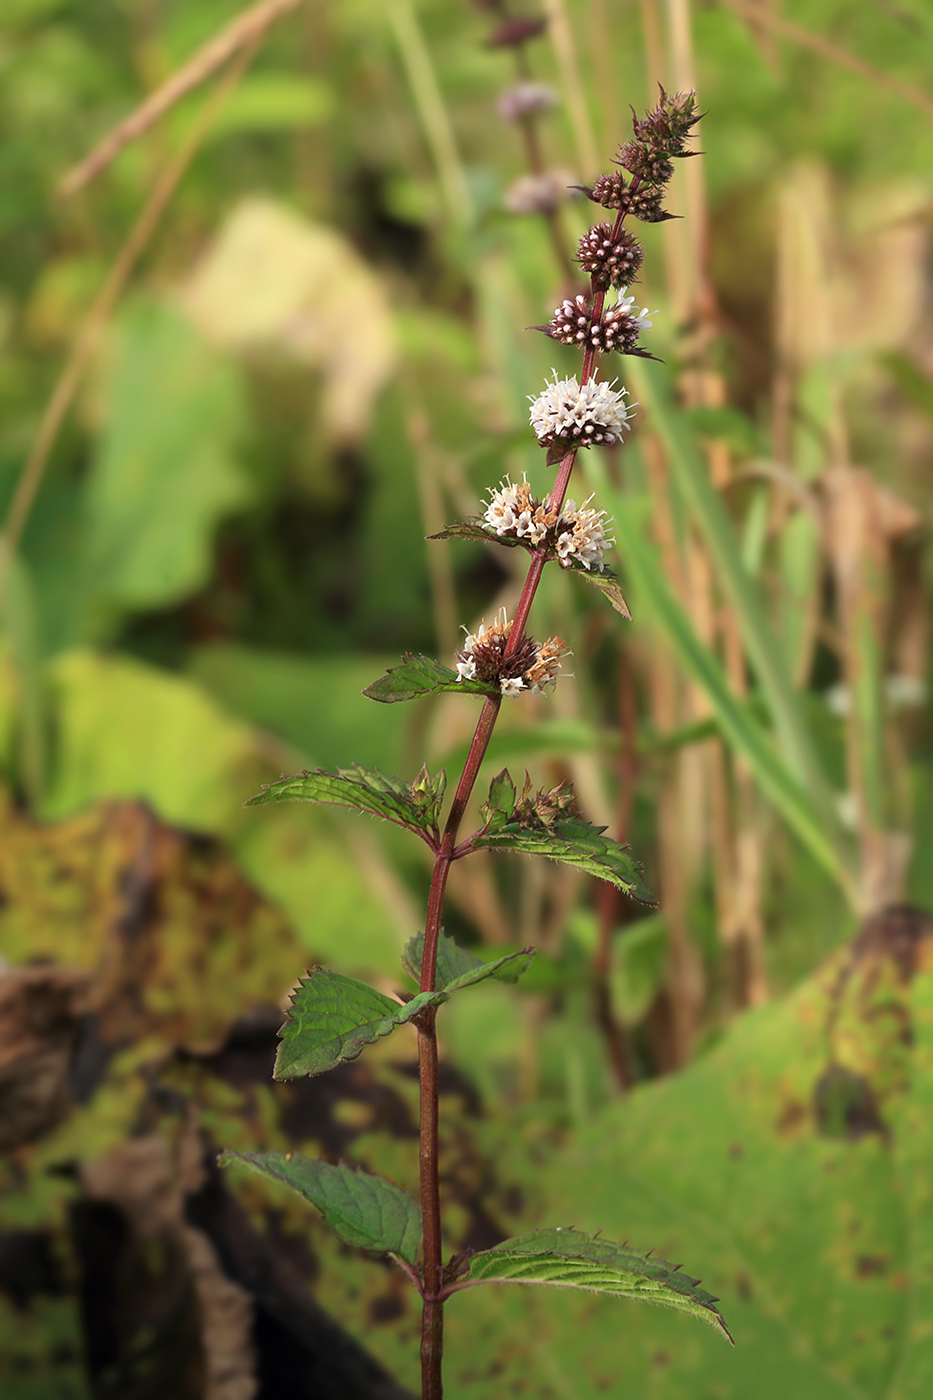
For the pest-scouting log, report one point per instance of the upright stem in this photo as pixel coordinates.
(432, 1316)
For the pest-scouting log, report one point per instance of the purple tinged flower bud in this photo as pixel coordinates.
(608, 263)
(651, 166)
(537, 194)
(515, 32)
(667, 127)
(570, 322)
(614, 192)
(526, 99)
(618, 329)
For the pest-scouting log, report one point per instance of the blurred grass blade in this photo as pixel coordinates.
(736, 719)
(723, 544)
(18, 612)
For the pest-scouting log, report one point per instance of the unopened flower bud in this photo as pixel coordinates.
(537, 194)
(652, 167)
(667, 126)
(608, 263)
(525, 99)
(614, 192)
(570, 322)
(515, 32)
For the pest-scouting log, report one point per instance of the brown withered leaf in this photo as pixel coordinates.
(40, 1011)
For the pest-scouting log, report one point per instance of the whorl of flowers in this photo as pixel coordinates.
(569, 536)
(608, 262)
(515, 514)
(614, 192)
(574, 323)
(618, 329)
(532, 668)
(565, 412)
(582, 535)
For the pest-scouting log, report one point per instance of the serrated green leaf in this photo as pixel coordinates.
(607, 584)
(418, 676)
(570, 1259)
(573, 841)
(414, 806)
(362, 1210)
(458, 968)
(331, 1018)
(474, 529)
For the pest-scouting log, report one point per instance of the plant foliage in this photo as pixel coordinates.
(332, 1018)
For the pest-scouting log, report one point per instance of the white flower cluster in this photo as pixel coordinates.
(580, 535)
(642, 321)
(583, 535)
(565, 412)
(542, 676)
(512, 510)
(482, 658)
(495, 634)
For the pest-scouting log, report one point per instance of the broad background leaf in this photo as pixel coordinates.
(819, 1246)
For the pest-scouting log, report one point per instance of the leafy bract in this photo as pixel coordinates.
(418, 676)
(474, 529)
(362, 1210)
(331, 1018)
(570, 1259)
(544, 824)
(413, 805)
(458, 968)
(607, 584)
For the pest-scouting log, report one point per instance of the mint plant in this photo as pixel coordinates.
(333, 1018)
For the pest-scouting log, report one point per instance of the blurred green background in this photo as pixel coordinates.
(245, 368)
